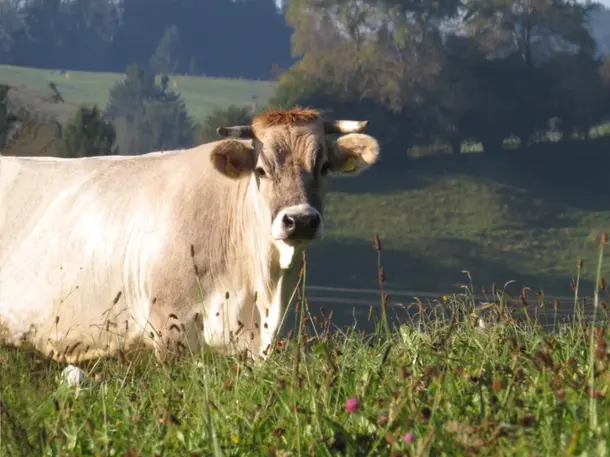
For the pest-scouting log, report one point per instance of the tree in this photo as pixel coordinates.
(382, 59)
(599, 22)
(533, 29)
(297, 87)
(7, 119)
(148, 117)
(39, 42)
(90, 28)
(604, 72)
(87, 135)
(126, 97)
(11, 23)
(163, 60)
(578, 90)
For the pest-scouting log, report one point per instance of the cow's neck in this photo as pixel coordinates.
(265, 259)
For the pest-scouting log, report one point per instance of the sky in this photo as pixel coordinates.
(604, 2)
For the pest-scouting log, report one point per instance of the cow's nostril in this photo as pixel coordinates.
(289, 223)
(297, 223)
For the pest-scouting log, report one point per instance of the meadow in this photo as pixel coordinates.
(456, 377)
(201, 94)
(460, 376)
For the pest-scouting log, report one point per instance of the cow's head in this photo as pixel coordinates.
(288, 163)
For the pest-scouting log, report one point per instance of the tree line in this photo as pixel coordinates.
(451, 71)
(426, 72)
(224, 38)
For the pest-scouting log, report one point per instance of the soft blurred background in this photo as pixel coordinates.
(492, 114)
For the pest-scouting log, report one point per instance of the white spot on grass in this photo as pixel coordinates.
(72, 376)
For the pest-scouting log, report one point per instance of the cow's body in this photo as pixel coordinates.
(101, 255)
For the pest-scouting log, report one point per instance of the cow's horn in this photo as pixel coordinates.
(344, 126)
(236, 131)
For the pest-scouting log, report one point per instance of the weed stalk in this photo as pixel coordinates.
(576, 307)
(592, 399)
(380, 281)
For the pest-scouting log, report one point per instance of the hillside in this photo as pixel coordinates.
(200, 94)
(523, 216)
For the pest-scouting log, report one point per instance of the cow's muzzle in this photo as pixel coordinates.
(298, 223)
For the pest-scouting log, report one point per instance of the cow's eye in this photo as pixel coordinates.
(325, 169)
(260, 172)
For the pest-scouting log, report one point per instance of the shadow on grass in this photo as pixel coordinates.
(572, 173)
(354, 265)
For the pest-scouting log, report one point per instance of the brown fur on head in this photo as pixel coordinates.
(292, 116)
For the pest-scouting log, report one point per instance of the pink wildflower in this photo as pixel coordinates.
(352, 405)
(408, 437)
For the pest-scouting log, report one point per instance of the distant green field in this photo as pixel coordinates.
(201, 94)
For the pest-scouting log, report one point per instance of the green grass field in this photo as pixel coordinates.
(439, 384)
(201, 95)
(515, 388)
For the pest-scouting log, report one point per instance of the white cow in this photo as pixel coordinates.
(168, 249)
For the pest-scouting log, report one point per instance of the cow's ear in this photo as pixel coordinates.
(233, 158)
(353, 153)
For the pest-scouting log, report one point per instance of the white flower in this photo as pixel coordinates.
(72, 376)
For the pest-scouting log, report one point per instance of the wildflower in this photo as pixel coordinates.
(352, 405)
(497, 385)
(445, 298)
(382, 420)
(235, 439)
(408, 437)
(118, 422)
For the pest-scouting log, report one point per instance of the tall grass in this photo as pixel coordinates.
(500, 376)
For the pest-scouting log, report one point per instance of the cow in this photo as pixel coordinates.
(169, 250)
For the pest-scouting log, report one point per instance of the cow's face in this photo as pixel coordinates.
(288, 163)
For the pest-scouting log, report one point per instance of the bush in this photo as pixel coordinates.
(231, 115)
(6, 119)
(299, 88)
(89, 134)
